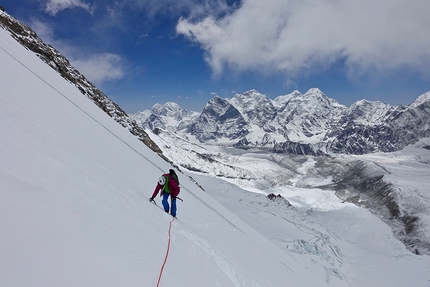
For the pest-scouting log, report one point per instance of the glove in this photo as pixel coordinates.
(151, 199)
(173, 197)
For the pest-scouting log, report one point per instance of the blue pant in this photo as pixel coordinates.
(166, 204)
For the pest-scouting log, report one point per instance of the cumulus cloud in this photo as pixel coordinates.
(44, 31)
(54, 6)
(99, 68)
(296, 36)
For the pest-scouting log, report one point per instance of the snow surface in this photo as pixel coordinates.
(75, 212)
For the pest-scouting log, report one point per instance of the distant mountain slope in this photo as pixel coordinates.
(168, 116)
(304, 124)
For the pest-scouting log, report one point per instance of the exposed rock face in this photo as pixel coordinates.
(219, 119)
(386, 129)
(278, 198)
(297, 149)
(364, 184)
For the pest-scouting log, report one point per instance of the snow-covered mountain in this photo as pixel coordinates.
(309, 123)
(164, 116)
(381, 127)
(219, 120)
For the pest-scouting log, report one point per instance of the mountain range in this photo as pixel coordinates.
(296, 123)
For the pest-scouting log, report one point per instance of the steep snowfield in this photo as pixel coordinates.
(74, 208)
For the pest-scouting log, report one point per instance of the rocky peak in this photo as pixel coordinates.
(421, 99)
(254, 107)
(315, 97)
(281, 101)
(366, 112)
(219, 119)
(169, 109)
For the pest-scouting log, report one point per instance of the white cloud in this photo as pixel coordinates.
(46, 33)
(99, 68)
(298, 36)
(54, 6)
(43, 30)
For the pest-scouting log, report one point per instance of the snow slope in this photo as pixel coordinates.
(340, 242)
(75, 209)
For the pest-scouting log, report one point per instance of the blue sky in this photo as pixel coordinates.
(144, 52)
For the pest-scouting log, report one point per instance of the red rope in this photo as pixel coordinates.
(167, 254)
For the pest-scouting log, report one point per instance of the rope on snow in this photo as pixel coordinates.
(167, 253)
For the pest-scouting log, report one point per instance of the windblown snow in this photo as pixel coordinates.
(75, 212)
